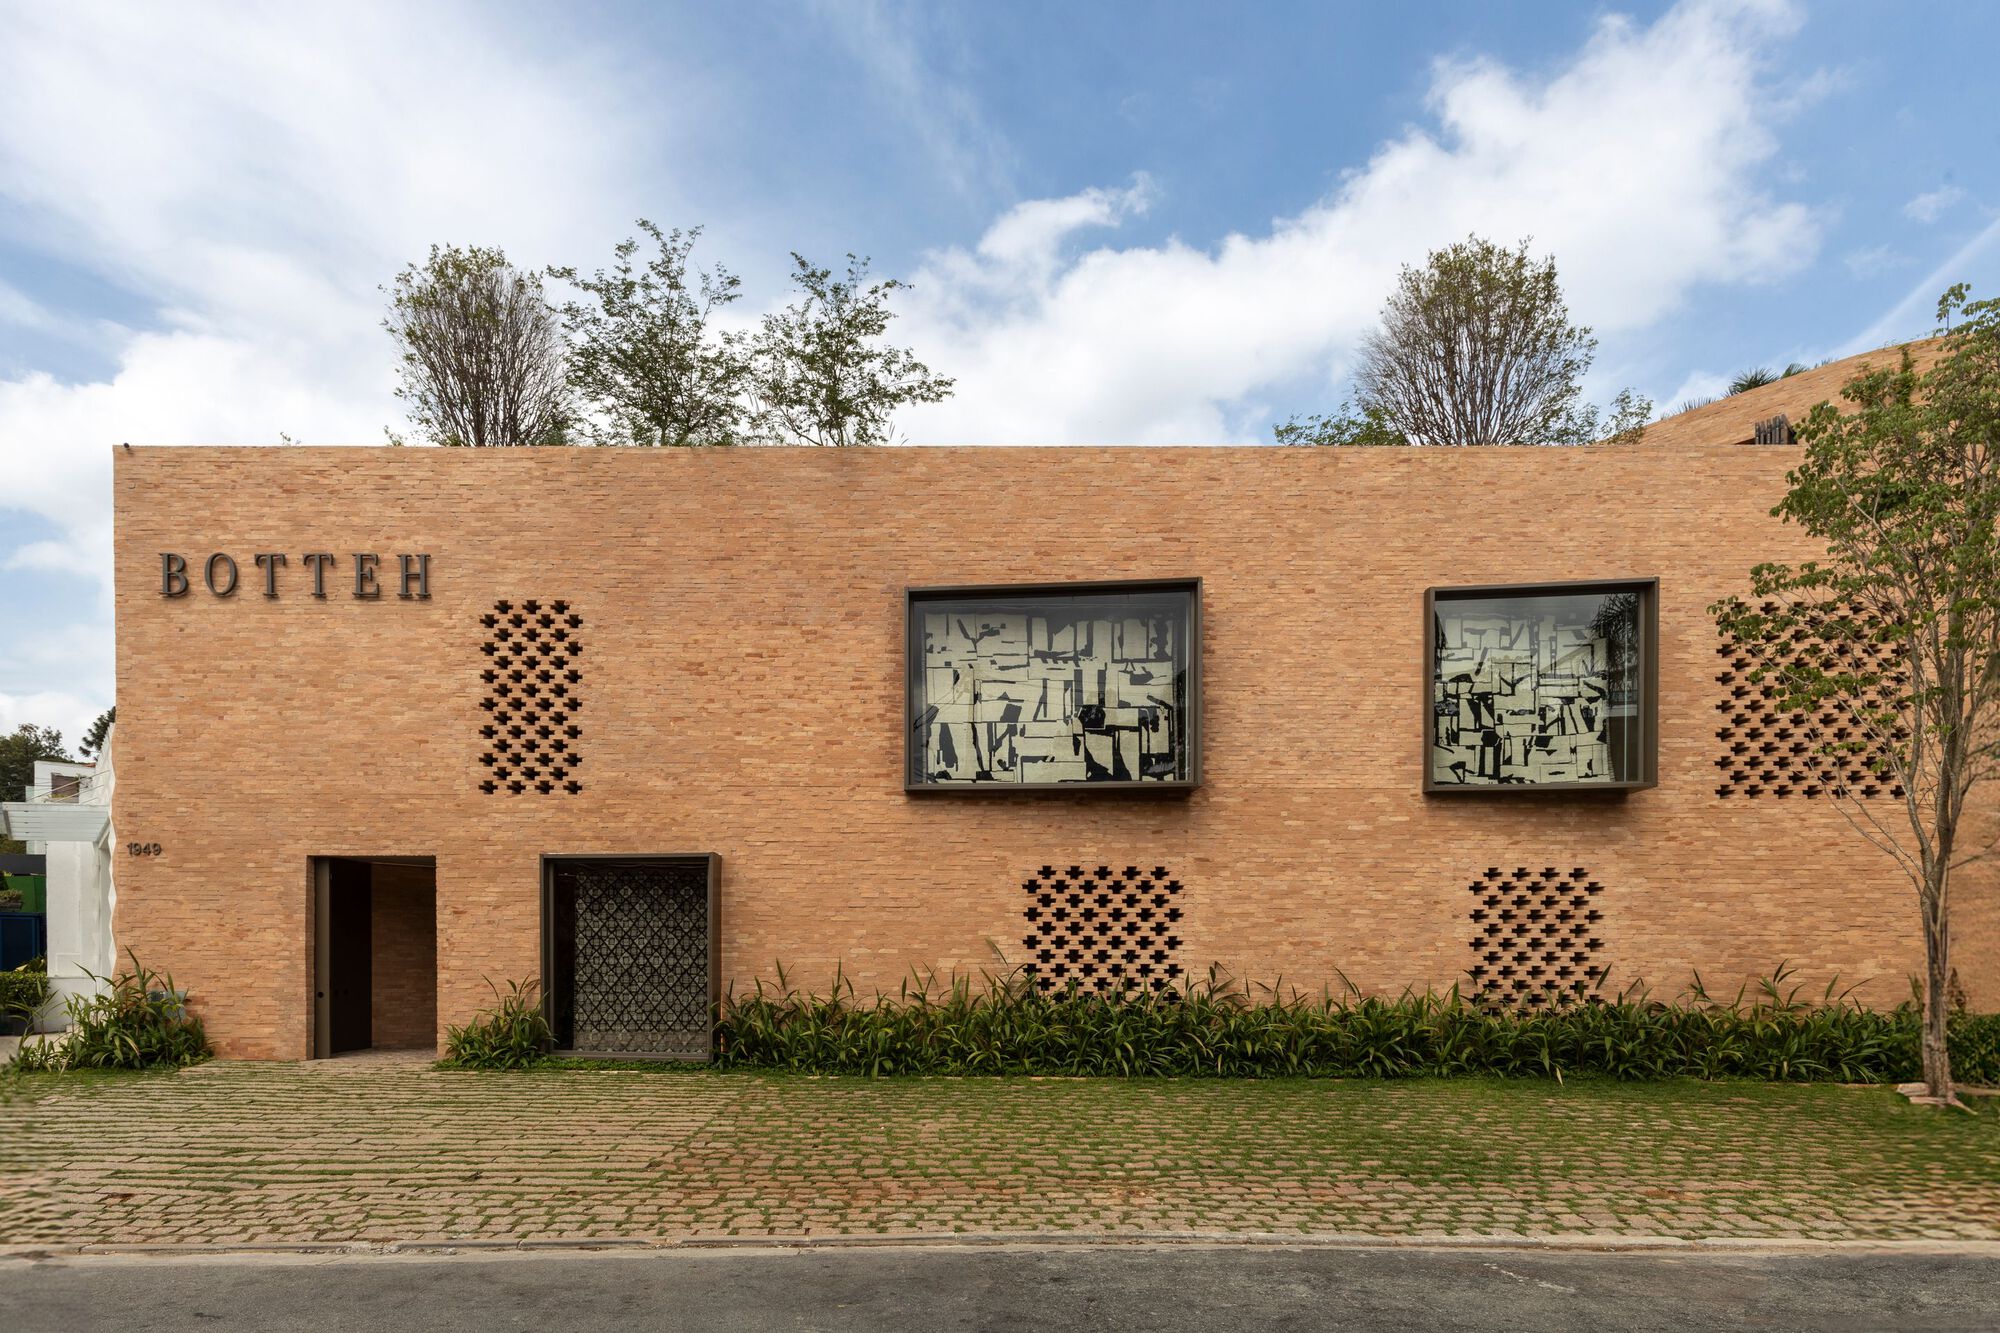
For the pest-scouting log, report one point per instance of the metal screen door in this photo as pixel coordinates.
(631, 955)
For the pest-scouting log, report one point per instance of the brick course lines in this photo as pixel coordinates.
(746, 692)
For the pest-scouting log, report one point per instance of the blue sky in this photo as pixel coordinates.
(1125, 224)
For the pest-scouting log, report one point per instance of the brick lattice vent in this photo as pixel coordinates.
(1767, 752)
(1535, 937)
(531, 682)
(1105, 930)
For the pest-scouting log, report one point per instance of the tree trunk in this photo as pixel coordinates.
(1937, 975)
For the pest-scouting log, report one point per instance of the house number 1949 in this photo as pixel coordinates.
(142, 849)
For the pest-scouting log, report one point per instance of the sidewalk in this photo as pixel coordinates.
(384, 1151)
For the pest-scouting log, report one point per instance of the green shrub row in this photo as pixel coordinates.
(1216, 1029)
(23, 991)
(139, 1021)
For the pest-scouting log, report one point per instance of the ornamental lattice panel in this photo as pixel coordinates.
(1535, 937)
(1103, 930)
(531, 698)
(1767, 751)
(638, 979)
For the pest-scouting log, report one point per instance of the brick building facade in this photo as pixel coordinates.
(741, 692)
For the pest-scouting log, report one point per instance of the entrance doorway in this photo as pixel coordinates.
(374, 984)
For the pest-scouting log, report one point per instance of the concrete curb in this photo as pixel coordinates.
(438, 1248)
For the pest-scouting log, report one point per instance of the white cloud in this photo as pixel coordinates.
(251, 176)
(1699, 386)
(934, 106)
(1874, 261)
(1638, 164)
(1931, 205)
(16, 308)
(46, 557)
(70, 714)
(1914, 316)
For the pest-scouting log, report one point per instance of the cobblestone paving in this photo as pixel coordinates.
(245, 1154)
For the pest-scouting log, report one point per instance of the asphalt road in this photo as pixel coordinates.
(1167, 1288)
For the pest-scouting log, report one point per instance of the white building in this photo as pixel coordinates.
(66, 817)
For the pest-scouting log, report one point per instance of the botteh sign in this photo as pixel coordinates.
(222, 575)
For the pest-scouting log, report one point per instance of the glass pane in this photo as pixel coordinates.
(1048, 688)
(1537, 689)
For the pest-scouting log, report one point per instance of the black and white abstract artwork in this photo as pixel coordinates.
(1050, 691)
(1532, 690)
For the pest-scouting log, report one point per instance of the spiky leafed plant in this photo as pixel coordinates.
(1754, 378)
(512, 1034)
(1214, 1027)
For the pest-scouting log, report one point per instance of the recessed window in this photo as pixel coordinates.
(1069, 685)
(1533, 687)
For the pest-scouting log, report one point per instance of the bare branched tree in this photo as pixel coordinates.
(644, 354)
(482, 351)
(819, 372)
(1898, 628)
(1476, 348)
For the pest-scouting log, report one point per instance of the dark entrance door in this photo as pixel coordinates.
(631, 954)
(350, 981)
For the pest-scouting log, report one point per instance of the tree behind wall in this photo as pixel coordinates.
(1475, 348)
(18, 753)
(820, 372)
(644, 354)
(1905, 492)
(481, 351)
(92, 744)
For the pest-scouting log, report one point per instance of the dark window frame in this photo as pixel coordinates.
(1649, 676)
(913, 597)
(549, 862)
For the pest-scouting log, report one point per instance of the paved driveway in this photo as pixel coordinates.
(247, 1154)
(1163, 1290)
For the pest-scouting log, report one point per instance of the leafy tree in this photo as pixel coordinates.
(820, 374)
(1623, 421)
(92, 744)
(642, 351)
(18, 753)
(1899, 626)
(481, 351)
(1350, 427)
(1476, 348)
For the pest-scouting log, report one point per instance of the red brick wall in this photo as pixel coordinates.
(403, 924)
(743, 695)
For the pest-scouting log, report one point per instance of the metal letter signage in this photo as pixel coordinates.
(219, 571)
(416, 571)
(208, 575)
(317, 561)
(269, 561)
